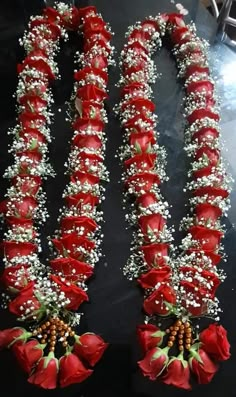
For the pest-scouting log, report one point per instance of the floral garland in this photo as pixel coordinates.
(179, 284)
(48, 296)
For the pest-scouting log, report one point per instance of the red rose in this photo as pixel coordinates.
(215, 342)
(81, 124)
(147, 199)
(90, 92)
(87, 141)
(40, 64)
(72, 370)
(177, 373)
(176, 20)
(15, 278)
(75, 294)
(70, 246)
(142, 162)
(136, 88)
(49, 31)
(157, 302)
(83, 177)
(140, 35)
(205, 86)
(205, 212)
(51, 14)
(85, 75)
(139, 104)
(23, 223)
(82, 200)
(205, 135)
(199, 114)
(142, 141)
(74, 271)
(154, 276)
(211, 191)
(154, 254)
(13, 248)
(31, 120)
(28, 160)
(150, 24)
(154, 362)
(25, 207)
(33, 103)
(213, 155)
(10, 336)
(89, 163)
(149, 336)
(142, 182)
(26, 300)
(208, 239)
(196, 69)
(151, 225)
(133, 123)
(89, 109)
(104, 35)
(202, 366)
(28, 354)
(84, 223)
(85, 12)
(180, 35)
(45, 374)
(71, 18)
(27, 184)
(90, 347)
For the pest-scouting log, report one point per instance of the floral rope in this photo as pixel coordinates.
(179, 283)
(48, 296)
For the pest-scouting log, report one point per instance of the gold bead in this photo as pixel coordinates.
(170, 343)
(43, 341)
(181, 342)
(48, 323)
(65, 344)
(45, 336)
(51, 348)
(69, 329)
(187, 324)
(35, 332)
(182, 327)
(62, 333)
(53, 332)
(180, 336)
(53, 337)
(188, 346)
(172, 337)
(39, 330)
(171, 328)
(167, 331)
(72, 333)
(174, 333)
(53, 343)
(43, 326)
(181, 348)
(181, 331)
(59, 328)
(188, 340)
(53, 326)
(178, 323)
(176, 328)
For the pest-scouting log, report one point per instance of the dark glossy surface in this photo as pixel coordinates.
(115, 304)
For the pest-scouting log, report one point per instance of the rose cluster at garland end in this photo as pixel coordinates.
(48, 296)
(180, 282)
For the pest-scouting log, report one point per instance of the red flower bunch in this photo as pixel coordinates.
(37, 292)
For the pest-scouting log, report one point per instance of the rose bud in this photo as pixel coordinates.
(28, 354)
(177, 373)
(154, 362)
(215, 342)
(72, 370)
(45, 374)
(202, 366)
(149, 336)
(10, 336)
(90, 347)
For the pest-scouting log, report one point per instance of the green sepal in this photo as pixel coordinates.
(23, 337)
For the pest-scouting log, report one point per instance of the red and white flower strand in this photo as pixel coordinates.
(49, 296)
(179, 283)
